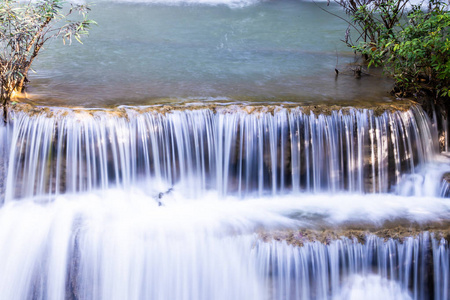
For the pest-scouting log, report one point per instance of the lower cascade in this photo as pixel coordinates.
(223, 202)
(414, 268)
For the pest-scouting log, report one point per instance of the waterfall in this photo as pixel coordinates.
(171, 203)
(94, 247)
(87, 248)
(226, 148)
(410, 269)
(445, 189)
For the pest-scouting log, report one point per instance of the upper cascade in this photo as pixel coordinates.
(239, 150)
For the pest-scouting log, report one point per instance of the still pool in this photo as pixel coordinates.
(149, 51)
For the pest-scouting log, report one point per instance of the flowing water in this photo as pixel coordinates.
(230, 150)
(312, 271)
(209, 192)
(142, 203)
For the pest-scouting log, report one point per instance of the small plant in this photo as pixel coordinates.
(25, 28)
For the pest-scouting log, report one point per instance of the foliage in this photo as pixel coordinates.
(371, 18)
(417, 51)
(25, 28)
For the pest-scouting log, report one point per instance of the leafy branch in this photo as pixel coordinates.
(25, 28)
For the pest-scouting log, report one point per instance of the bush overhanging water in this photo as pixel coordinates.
(24, 29)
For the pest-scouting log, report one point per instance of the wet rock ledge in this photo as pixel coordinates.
(395, 231)
(324, 108)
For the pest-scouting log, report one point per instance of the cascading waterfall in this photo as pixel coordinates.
(411, 269)
(228, 149)
(94, 249)
(445, 189)
(150, 203)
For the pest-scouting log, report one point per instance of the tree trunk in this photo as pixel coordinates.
(5, 98)
(5, 101)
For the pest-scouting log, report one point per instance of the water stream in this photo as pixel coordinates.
(227, 149)
(201, 165)
(144, 203)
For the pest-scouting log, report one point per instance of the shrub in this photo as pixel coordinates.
(371, 18)
(25, 28)
(416, 52)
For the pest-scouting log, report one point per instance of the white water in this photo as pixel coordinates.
(385, 269)
(231, 150)
(122, 245)
(445, 189)
(371, 287)
(136, 204)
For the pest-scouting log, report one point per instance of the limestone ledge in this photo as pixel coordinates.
(398, 230)
(324, 108)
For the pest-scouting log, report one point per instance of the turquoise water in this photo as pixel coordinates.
(144, 51)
